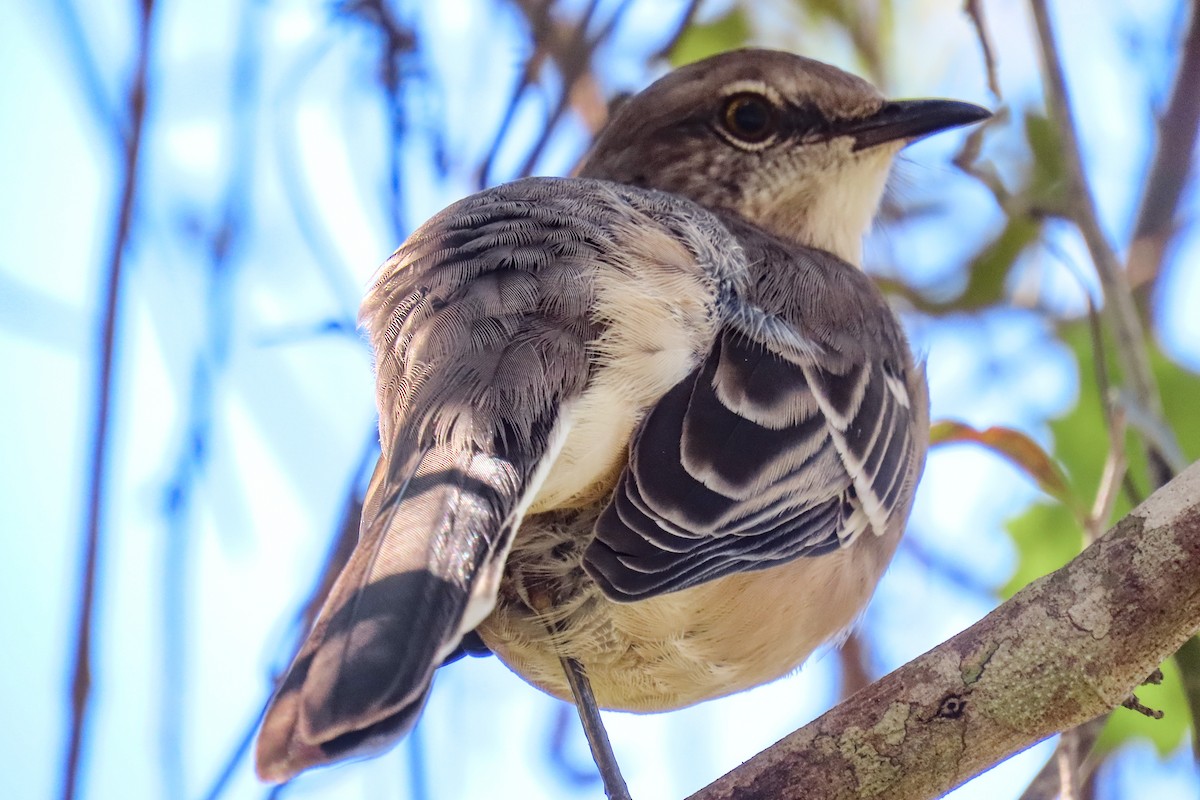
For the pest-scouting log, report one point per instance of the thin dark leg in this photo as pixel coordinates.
(593, 729)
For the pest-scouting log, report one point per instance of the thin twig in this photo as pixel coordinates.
(1069, 768)
(681, 27)
(571, 50)
(1122, 312)
(398, 48)
(81, 679)
(335, 560)
(1065, 759)
(79, 48)
(1116, 463)
(1047, 784)
(974, 9)
(572, 54)
(538, 19)
(1169, 171)
(209, 361)
(242, 748)
(852, 656)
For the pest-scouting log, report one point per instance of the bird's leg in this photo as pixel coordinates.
(593, 729)
(542, 600)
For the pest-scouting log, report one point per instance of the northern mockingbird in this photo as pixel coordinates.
(653, 421)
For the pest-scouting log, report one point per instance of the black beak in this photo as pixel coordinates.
(910, 120)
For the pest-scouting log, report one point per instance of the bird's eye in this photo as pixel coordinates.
(749, 118)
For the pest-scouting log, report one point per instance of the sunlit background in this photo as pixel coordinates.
(287, 147)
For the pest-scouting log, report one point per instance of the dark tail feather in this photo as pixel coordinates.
(432, 524)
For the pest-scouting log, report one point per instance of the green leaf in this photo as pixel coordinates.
(1048, 179)
(1047, 536)
(990, 268)
(701, 41)
(987, 273)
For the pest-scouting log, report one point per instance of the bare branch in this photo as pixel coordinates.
(974, 9)
(852, 656)
(79, 49)
(1065, 649)
(81, 674)
(1070, 755)
(1123, 315)
(1170, 169)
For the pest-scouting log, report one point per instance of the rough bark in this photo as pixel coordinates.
(1065, 649)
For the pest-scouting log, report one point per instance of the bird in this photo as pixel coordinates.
(652, 420)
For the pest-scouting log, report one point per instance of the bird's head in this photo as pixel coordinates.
(798, 147)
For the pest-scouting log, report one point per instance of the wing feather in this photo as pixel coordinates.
(796, 434)
(480, 324)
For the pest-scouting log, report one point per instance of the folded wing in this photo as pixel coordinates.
(804, 429)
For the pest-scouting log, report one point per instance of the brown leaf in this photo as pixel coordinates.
(1019, 449)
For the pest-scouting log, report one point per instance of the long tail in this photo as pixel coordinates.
(437, 522)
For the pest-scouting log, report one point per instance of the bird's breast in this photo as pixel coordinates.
(672, 650)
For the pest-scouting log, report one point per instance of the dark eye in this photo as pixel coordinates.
(749, 117)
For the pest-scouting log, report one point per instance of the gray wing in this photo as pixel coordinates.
(804, 428)
(479, 325)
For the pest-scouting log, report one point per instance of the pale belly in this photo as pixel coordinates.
(674, 650)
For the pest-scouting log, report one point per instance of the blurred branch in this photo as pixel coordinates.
(291, 170)
(220, 239)
(974, 9)
(852, 657)
(1069, 769)
(539, 20)
(79, 50)
(398, 47)
(1170, 169)
(1116, 463)
(335, 559)
(1066, 648)
(944, 567)
(240, 750)
(564, 728)
(81, 679)
(579, 88)
(1071, 763)
(685, 21)
(1122, 312)
(570, 49)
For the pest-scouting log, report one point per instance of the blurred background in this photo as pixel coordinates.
(195, 195)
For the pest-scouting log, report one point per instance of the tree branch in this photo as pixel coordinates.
(1127, 325)
(1065, 649)
(974, 10)
(1170, 169)
(81, 671)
